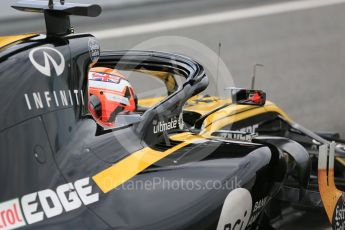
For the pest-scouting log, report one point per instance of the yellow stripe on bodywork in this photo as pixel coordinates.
(340, 160)
(271, 107)
(228, 114)
(235, 113)
(220, 122)
(117, 174)
(204, 108)
(4, 41)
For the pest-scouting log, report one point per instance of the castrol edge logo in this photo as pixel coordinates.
(39, 206)
(11, 216)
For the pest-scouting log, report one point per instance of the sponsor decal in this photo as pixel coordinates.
(339, 214)
(180, 121)
(38, 206)
(53, 59)
(117, 98)
(94, 49)
(11, 216)
(54, 99)
(236, 210)
(163, 126)
(258, 207)
(242, 137)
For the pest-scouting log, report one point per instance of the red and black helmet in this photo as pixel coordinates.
(110, 93)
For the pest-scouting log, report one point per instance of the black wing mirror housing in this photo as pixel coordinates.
(247, 96)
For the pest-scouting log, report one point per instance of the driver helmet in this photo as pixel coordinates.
(110, 94)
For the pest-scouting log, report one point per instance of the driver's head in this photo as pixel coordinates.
(110, 93)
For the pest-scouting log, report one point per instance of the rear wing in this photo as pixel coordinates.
(57, 14)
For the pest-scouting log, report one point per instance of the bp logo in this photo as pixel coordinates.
(236, 210)
(47, 60)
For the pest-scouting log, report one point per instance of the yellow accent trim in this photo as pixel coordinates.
(340, 160)
(119, 173)
(234, 113)
(271, 107)
(187, 136)
(4, 41)
(223, 118)
(204, 108)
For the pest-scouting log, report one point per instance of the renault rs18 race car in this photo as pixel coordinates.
(245, 115)
(66, 165)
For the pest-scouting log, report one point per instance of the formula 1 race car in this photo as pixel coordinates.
(153, 167)
(246, 115)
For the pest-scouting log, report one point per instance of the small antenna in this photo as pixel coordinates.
(254, 74)
(51, 4)
(219, 48)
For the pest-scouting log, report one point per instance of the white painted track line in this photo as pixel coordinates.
(213, 18)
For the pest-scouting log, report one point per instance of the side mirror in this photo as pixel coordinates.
(247, 96)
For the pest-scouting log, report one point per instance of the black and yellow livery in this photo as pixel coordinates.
(212, 117)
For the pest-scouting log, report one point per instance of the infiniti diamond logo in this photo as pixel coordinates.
(49, 62)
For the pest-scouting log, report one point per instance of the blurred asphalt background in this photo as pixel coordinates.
(303, 51)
